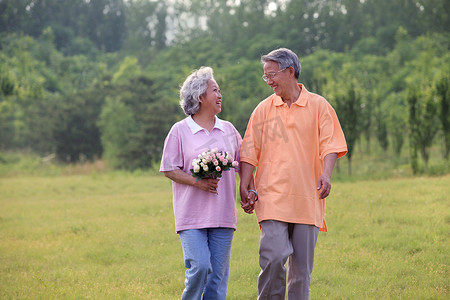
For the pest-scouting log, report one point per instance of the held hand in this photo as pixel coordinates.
(208, 185)
(251, 200)
(324, 185)
(248, 200)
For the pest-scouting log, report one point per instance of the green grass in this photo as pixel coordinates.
(111, 236)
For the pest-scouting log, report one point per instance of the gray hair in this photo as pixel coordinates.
(193, 87)
(285, 59)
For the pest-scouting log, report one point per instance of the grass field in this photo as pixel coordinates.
(111, 236)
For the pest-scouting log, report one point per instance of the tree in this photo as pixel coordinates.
(134, 123)
(397, 123)
(413, 121)
(7, 89)
(76, 134)
(117, 123)
(422, 122)
(347, 109)
(128, 69)
(443, 92)
(382, 133)
(161, 27)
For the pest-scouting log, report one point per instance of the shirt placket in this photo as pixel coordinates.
(289, 119)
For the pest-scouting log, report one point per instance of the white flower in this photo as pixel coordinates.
(196, 168)
(205, 168)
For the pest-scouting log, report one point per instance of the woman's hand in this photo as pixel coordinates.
(208, 185)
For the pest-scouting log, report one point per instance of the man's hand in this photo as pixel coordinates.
(247, 199)
(324, 182)
(324, 185)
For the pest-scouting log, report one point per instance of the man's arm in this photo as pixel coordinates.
(247, 183)
(324, 181)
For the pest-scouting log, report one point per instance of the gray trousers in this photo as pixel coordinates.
(280, 240)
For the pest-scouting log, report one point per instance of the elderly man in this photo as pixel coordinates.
(293, 138)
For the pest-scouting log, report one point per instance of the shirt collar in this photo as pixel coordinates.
(194, 127)
(301, 101)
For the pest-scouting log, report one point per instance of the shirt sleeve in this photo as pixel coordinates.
(238, 147)
(172, 157)
(332, 139)
(251, 145)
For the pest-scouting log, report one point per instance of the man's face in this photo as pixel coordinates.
(276, 78)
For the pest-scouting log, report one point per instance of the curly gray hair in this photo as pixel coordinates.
(285, 59)
(193, 87)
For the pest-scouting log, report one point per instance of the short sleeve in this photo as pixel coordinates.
(172, 157)
(238, 139)
(332, 139)
(250, 149)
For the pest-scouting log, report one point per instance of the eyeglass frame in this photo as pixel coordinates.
(272, 75)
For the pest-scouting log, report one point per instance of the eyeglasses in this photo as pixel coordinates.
(271, 75)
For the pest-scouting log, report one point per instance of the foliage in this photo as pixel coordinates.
(116, 123)
(443, 92)
(422, 122)
(76, 135)
(347, 107)
(58, 59)
(135, 122)
(101, 21)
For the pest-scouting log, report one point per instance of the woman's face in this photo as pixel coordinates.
(212, 99)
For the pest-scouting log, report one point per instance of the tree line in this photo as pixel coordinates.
(89, 79)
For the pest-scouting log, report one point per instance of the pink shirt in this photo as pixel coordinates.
(193, 207)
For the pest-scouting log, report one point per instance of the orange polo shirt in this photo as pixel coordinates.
(287, 146)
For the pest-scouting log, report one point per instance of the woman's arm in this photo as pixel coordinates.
(208, 185)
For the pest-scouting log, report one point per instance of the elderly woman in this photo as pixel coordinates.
(205, 210)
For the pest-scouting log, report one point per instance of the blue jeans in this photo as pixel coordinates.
(207, 254)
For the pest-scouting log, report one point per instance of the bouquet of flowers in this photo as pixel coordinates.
(211, 164)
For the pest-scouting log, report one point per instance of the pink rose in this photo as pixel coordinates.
(218, 169)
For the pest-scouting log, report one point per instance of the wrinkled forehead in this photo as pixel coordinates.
(271, 66)
(212, 84)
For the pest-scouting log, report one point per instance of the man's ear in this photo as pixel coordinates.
(291, 71)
